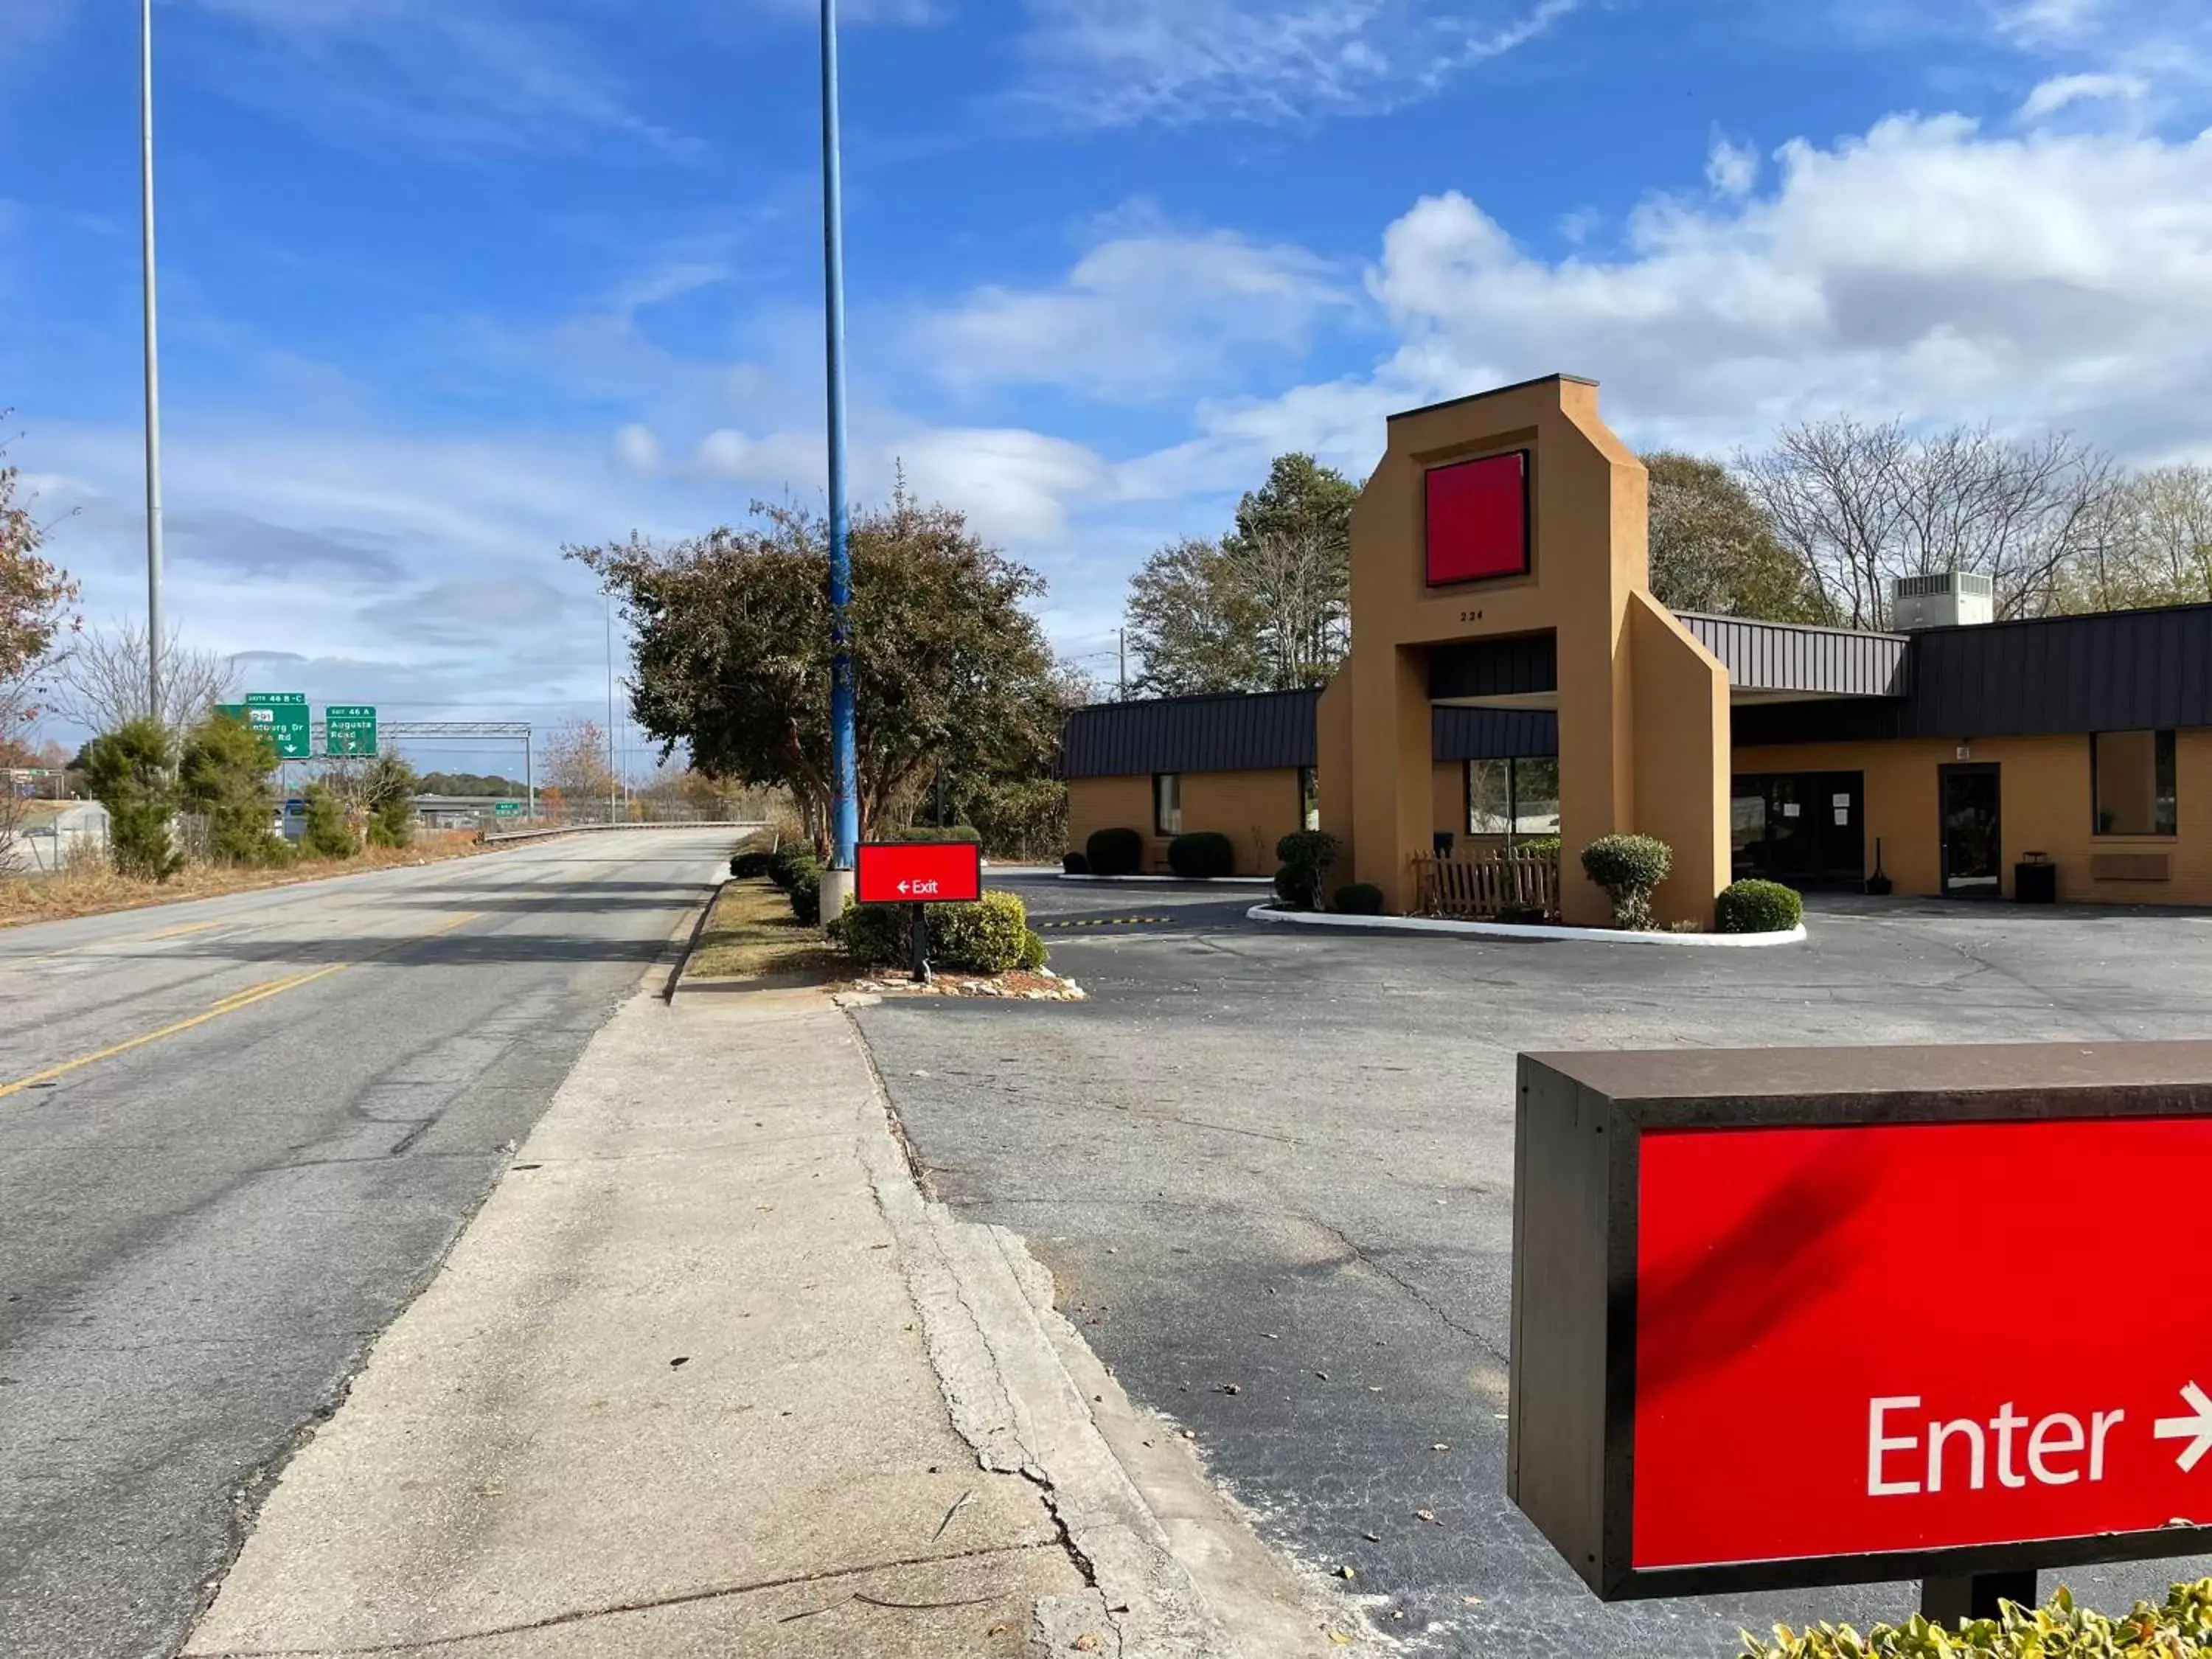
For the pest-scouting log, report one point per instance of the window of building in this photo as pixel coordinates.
(2131, 777)
(1167, 803)
(1308, 798)
(1513, 797)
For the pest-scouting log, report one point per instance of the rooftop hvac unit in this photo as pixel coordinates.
(1953, 599)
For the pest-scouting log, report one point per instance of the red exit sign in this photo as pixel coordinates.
(918, 872)
(1861, 1314)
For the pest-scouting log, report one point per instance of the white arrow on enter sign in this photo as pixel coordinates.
(2196, 1430)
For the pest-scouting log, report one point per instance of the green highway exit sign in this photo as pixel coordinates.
(281, 716)
(348, 728)
(507, 809)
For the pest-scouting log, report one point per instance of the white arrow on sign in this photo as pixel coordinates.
(2197, 1430)
(906, 887)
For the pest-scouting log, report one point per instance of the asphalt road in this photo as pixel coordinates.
(236, 1138)
(1280, 1161)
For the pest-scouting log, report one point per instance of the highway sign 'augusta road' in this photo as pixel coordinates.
(283, 716)
(348, 728)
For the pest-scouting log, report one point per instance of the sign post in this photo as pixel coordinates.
(1737, 1359)
(348, 729)
(918, 874)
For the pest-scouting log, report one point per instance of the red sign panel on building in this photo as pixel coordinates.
(1477, 519)
(918, 872)
(1795, 1319)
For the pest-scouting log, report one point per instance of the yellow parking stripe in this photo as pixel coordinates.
(229, 1005)
(1106, 921)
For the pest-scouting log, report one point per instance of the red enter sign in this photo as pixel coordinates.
(1893, 1338)
(918, 872)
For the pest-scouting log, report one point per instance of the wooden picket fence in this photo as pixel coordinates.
(1476, 886)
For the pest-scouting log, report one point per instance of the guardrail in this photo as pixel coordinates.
(503, 835)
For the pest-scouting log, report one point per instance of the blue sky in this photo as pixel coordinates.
(447, 285)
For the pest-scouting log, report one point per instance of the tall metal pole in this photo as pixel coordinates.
(153, 363)
(529, 776)
(844, 776)
(614, 783)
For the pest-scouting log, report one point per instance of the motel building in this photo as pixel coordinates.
(1512, 677)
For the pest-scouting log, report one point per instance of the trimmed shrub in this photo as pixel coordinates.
(1539, 846)
(2057, 1629)
(1359, 898)
(1525, 915)
(986, 937)
(789, 862)
(1202, 855)
(750, 864)
(1075, 864)
(1629, 869)
(1114, 851)
(1308, 855)
(1758, 907)
(1034, 953)
(876, 935)
(806, 891)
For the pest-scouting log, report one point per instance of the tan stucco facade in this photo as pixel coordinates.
(1255, 810)
(2046, 807)
(1643, 708)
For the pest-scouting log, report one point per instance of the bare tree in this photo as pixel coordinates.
(1862, 506)
(2160, 548)
(1299, 575)
(103, 682)
(576, 765)
(36, 636)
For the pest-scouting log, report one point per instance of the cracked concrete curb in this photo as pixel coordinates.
(1020, 1384)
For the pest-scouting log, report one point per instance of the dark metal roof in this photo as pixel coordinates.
(2115, 671)
(1766, 656)
(1518, 666)
(1235, 732)
(1494, 391)
(1459, 734)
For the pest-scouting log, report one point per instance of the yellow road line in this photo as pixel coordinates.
(229, 1005)
(179, 933)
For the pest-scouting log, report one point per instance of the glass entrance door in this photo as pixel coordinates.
(1974, 845)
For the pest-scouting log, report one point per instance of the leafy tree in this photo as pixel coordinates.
(327, 834)
(471, 783)
(224, 775)
(34, 595)
(732, 653)
(133, 772)
(2157, 550)
(388, 791)
(1714, 549)
(1266, 607)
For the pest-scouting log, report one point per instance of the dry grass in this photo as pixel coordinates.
(94, 889)
(751, 934)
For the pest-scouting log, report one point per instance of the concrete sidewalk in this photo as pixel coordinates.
(708, 1375)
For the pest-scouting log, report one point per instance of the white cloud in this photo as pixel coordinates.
(1015, 485)
(2063, 91)
(1731, 169)
(1137, 316)
(1177, 61)
(637, 448)
(422, 75)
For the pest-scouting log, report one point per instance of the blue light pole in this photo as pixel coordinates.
(844, 780)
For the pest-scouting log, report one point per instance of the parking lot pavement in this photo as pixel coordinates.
(1271, 1173)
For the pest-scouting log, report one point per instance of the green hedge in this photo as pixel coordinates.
(1114, 851)
(750, 864)
(2057, 1629)
(1202, 855)
(1538, 847)
(1076, 864)
(1307, 856)
(949, 835)
(992, 937)
(1359, 898)
(790, 861)
(1758, 907)
(806, 891)
(1629, 869)
(986, 937)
